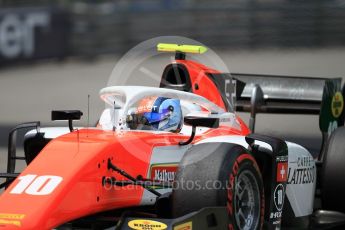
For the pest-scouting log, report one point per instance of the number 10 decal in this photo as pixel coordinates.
(36, 185)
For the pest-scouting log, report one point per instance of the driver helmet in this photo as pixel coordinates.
(156, 113)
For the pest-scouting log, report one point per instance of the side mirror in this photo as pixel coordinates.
(67, 115)
(209, 122)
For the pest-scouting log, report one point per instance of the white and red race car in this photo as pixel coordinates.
(178, 157)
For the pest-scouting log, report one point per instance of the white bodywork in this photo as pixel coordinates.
(50, 132)
(300, 189)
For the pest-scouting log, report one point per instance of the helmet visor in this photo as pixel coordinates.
(154, 117)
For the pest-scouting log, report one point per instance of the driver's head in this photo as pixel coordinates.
(157, 113)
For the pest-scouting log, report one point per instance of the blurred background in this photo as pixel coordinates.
(53, 54)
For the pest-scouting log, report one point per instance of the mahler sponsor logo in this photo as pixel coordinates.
(163, 172)
(164, 175)
(302, 171)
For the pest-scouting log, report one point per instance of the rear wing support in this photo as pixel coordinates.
(256, 101)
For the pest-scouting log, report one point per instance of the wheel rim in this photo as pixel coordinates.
(247, 201)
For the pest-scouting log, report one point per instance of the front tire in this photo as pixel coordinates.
(226, 175)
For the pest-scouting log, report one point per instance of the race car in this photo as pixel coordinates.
(178, 157)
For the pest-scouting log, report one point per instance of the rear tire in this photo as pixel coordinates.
(223, 174)
(333, 172)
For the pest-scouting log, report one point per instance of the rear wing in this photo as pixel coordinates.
(257, 93)
(280, 94)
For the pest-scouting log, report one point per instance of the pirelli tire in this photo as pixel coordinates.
(220, 174)
(333, 173)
